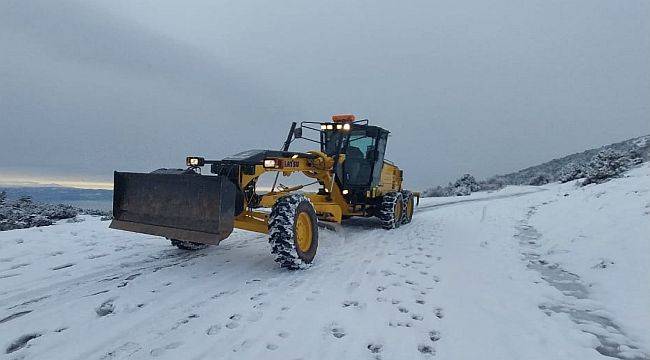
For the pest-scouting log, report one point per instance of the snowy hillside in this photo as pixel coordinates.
(552, 170)
(550, 272)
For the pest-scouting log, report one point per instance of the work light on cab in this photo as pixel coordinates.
(194, 161)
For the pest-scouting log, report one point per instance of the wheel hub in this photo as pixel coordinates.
(304, 233)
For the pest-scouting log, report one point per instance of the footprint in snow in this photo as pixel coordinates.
(426, 349)
(21, 342)
(283, 334)
(14, 316)
(257, 296)
(105, 308)
(403, 309)
(17, 266)
(123, 351)
(213, 330)
(417, 317)
(217, 295)
(337, 331)
(63, 266)
(434, 335)
(353, 304)
(271, 346)
(438, 312)
(234, 321)
(375, 348)
(184, 321)
(133, 276)
(400, 324)
(161, 350)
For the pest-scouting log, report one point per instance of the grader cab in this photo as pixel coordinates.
(194, 210)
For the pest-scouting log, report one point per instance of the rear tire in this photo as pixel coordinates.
(409, 206)
(293, 231)
(391, 210)
(188, 245)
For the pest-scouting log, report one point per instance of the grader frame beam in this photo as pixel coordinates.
(329, 207)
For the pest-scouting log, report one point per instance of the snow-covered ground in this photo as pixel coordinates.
(522, 273)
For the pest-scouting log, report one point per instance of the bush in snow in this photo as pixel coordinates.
(540, 179)
(492, 184)
(465, 185)
(438, 191)
(24, 213)
(572, 171)
(608, 164)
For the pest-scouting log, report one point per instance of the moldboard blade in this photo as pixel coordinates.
(187, 207)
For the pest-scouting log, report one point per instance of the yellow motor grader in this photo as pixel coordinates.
(194, 210)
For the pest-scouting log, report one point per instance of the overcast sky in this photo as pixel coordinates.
(484, 87)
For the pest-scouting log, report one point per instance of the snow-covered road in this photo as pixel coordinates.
(456, 283)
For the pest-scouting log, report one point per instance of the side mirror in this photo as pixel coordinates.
(297, 133)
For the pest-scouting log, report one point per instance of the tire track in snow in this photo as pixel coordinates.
(463, 201)
(588, 316)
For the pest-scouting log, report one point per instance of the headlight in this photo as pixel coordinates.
(269, 163)
(345, 192)
(339, 126)
(346, 126)
(194, 161)
(323, 127)
(330, 127)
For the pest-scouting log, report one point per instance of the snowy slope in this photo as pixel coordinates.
(505, 275)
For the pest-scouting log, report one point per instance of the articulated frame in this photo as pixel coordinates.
(331, 206)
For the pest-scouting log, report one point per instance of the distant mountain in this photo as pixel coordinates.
(58, 194)
(551, 170)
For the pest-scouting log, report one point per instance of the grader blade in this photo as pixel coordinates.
(188, 207)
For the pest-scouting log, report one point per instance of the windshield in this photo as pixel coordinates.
(358, 143)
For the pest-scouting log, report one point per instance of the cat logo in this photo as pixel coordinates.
(291, 163)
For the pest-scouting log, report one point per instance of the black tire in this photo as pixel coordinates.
(188, 245)
(409, 206)
(391, 207)
(283, 235)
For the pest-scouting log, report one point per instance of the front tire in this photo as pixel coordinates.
(293, 231)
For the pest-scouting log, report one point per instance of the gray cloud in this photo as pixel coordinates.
(481, 87)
